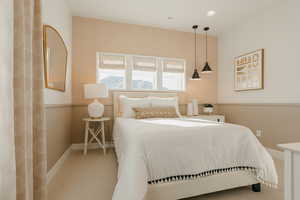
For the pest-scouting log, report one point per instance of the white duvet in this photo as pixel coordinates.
(158, 148)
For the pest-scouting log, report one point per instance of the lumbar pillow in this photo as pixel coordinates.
(155, 112)
(165, 102)
(128, 103)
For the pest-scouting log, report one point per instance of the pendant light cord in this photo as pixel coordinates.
(206, 68)
(195, 50)
(206, 47)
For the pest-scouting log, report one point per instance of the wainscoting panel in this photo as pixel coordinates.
(58, 122)
(279, 122)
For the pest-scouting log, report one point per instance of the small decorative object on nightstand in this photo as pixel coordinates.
(215, 118)
(96, 131)
(94, 91)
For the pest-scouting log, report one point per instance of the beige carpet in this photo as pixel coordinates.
(92, 177)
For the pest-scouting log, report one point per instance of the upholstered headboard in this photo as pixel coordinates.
(116, 95)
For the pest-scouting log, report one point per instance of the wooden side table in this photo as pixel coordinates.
(97, 131)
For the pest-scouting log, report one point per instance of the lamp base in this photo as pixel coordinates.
(95, 109)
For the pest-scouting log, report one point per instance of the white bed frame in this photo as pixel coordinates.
(189, 188)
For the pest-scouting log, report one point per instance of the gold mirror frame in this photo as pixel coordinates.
(45, 45)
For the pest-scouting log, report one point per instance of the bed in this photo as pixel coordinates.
(167, 159)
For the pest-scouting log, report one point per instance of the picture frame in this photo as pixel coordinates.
(249, 71)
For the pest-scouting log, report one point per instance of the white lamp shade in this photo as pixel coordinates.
(93, 91)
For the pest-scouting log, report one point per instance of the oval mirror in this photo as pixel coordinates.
(55, 59)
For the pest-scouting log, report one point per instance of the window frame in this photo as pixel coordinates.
(129, 59)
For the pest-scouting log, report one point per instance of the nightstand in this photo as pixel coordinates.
(97, 130)
(216, 118)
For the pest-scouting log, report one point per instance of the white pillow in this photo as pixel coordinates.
(128, 103)
(165, 102)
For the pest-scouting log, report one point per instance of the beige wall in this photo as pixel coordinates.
(58, 119)
(92, 35)
(279, 122)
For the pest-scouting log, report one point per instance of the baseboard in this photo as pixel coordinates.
(276, 154)
(80, 146)
(58, 164)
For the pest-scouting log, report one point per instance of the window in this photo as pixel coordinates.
(111, 71)
(173, 75)
(144, 73)
(135, 72)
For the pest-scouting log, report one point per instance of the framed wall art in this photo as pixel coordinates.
(249, 71)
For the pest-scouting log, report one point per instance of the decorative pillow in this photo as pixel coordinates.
(155, 112)
(127, 104)
(165, 102)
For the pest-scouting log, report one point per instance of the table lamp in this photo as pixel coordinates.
(95, 91)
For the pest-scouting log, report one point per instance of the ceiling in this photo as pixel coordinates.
(185, 13)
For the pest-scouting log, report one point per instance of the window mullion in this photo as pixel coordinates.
(129, 67)
(98, 63)
(184, 77)
(159, 74)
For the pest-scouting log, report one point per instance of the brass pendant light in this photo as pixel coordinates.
(195, 75)
(206, 68)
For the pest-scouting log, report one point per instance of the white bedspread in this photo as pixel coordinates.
(158, 148)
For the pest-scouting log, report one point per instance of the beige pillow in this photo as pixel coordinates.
(155, 112)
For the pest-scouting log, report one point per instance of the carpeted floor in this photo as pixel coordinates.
(92, 177)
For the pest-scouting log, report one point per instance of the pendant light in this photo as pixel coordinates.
(196, 75)
(206, 68)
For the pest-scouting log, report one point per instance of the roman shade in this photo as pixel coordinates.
(173, 66)
(141, 63)
(112, 61)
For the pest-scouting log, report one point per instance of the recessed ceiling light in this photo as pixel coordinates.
(211, 13)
